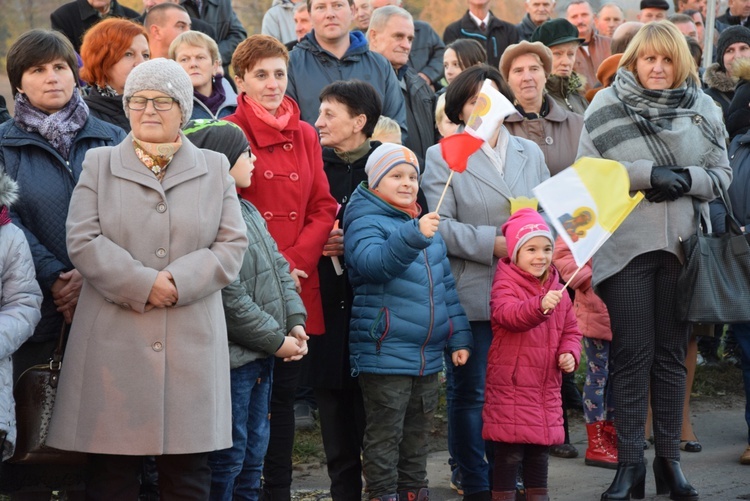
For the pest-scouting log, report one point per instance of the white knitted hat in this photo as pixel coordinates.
(163, 75)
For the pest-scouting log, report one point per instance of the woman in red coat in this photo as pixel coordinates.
(535, 338)
(290, 189)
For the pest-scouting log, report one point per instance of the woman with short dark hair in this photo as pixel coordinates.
(42, 149)
(476, 205)
(348, 114)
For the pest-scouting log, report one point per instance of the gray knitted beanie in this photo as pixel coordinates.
(163, 75)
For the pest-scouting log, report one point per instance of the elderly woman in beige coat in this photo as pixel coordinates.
(526, 67)
(156, 231)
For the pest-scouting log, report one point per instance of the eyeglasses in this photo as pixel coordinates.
(138, 103)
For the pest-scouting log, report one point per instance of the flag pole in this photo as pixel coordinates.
(599, 244)
(448, 182)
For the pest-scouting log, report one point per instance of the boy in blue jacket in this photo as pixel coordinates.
(265, 316)
(405, 313)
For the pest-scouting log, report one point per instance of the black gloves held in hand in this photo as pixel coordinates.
(668, 183)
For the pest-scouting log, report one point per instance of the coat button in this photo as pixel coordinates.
(125, 306)
(294, 176)
(268, 174)
(288, 147)
(161, 252)
(293, 216)
(157, 346)
(549, 140)
(268, 216)
(161, 207)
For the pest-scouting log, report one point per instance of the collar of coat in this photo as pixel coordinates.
(357, 46)
(715, 78)
(263, 136)
(556, 113)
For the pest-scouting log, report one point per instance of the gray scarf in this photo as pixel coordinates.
(59, 128)
(623, 121)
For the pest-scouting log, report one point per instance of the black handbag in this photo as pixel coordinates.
(714, 284)
(35, 393)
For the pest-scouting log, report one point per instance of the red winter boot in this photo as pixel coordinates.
(600, 451)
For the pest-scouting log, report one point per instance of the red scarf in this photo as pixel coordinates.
(278, 121)
(4, 217)
(412, 209)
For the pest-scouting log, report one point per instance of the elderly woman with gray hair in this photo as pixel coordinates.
(526, 66)
(156, 231)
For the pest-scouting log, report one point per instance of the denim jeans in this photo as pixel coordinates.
(742, 335)
(236, 472)
(465, 398)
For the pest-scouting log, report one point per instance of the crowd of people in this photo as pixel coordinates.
(238, 227)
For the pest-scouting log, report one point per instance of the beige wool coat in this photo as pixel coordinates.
(157, 382)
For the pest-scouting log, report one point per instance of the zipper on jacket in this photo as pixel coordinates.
(382, 315)
(432, 313)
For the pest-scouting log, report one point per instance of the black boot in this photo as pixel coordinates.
(670, 480)
(630, 480)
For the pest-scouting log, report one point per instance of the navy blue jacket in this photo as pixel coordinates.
(46, 183)
(311, 68)
(406, 309)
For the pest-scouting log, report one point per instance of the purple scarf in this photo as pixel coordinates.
(217, 97)
(59, 128)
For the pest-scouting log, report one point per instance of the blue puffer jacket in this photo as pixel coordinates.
(46, 183)
(406, 308)
(311, 68)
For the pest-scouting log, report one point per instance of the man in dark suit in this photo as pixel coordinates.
(480, 24)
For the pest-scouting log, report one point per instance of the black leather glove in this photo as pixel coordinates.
(668, 184)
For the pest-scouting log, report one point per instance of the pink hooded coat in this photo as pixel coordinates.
(522, 396)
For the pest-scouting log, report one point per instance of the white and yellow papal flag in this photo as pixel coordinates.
(587, 202)
(491, 107)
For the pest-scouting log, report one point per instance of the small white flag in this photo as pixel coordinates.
(491, 107)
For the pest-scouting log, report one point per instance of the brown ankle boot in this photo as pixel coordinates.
(537, 494)
(503, 495)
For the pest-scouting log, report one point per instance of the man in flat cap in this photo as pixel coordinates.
(653, 10)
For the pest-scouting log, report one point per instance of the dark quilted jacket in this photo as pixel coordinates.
(261, 305)
(46, 183)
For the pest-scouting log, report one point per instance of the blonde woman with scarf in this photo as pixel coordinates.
(656, 121)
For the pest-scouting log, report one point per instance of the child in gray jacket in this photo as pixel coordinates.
(20, 300)
(265, 316)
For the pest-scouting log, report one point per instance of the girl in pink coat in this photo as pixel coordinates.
(535, 339)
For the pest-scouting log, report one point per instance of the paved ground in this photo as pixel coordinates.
(715, 471)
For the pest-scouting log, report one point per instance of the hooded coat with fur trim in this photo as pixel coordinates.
(20, 302)
(523, 404)
(719, 86)
(737, 115)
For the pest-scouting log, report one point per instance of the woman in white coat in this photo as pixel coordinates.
(156, 231)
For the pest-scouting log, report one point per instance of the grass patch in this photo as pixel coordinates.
(308, 446)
